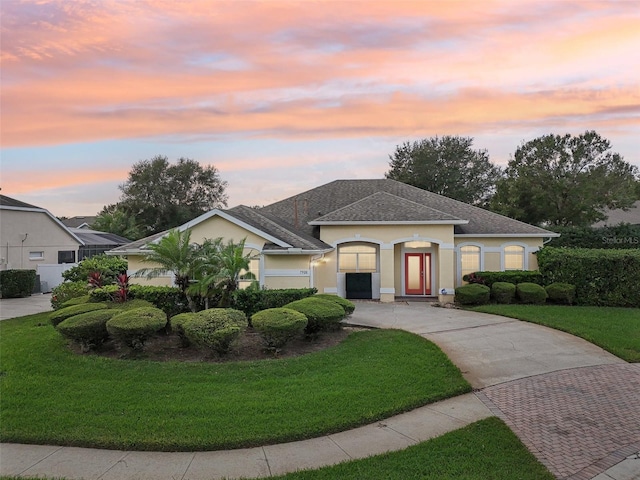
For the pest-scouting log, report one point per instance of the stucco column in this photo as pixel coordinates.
(447, 277)
(387, 289)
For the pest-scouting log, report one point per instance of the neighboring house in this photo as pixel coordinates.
(32, 238)
(618, 216)
(96, 242)
(377, 239)
(79, 222)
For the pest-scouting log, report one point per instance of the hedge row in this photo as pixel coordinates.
(17, 283)
(251, 301)
(615, 237)
(601, 277)
(170, 300)
(503, 292)
(509, 276)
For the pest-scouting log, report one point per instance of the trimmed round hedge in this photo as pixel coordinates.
(347, 305)
(88, 329)
(321, 314)
(564, 293)
(473, 294)
(215, 328)
(531, 293)
(61, 315)
(177, 325)
(131, 304)
(503, 292)
(133, 327)
(76, 301)
(277, 326)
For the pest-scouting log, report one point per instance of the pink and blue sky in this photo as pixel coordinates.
(282, 96)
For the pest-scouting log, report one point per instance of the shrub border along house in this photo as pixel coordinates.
(321, 314)
(601, 277)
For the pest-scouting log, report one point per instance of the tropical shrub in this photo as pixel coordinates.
(106, 265)
(66, 291)
(347, 305)
(601, 277)
(215, 329)
(60, 315)
(134, 327)
(77, 301)
(321, 314)
(17, 283)
(531, 293)
(561, 293)
(473, 294)
(171, 300)
(252, 300)
(88, 329)
(509, 276)
(503, 292)
(277, 326)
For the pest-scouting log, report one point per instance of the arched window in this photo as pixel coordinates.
(469, 259)
(357, 258)
(514, 257)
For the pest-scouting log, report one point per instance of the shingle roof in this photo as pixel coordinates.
(276, 228)
(305, 207)
(384, 207)
(137, 244)
(75, 222)
(12, 202)
(618, 216)
(95, 237)
(294, 220)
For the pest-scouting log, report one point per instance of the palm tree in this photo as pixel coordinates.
(173, 253)
(234, 266)
(220, 268)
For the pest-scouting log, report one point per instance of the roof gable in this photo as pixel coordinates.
(301, 210)
(7, 203)
(383, 207)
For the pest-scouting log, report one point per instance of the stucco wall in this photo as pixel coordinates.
(492, 250)
(287, 271)
(43, 234)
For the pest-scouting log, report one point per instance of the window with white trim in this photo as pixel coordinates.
(469, 259)
(254, 268)
(357, 258)
(36, 255)
(514, 257)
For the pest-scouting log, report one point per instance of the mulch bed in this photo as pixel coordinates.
(167, 347)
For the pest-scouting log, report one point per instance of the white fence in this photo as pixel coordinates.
(51, 274)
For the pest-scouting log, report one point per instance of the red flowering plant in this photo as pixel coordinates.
(122, 281)
(474, 278)
(95, 280)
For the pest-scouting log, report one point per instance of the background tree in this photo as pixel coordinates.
(160, 196)
(114, 219)
(447, 166)
(565, 180)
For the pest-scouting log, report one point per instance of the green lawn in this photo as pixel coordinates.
(617, 330)
(483, 450)
(52, 396)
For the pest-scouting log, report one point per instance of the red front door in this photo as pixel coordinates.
(417, 273)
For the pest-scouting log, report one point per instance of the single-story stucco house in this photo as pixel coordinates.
(376, 239)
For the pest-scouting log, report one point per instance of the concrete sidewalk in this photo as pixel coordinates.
(583, 399)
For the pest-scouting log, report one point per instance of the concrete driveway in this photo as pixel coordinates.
(18, 307)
